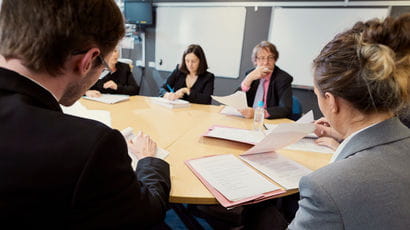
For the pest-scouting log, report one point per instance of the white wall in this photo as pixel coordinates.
(218, 30)
(300, 34)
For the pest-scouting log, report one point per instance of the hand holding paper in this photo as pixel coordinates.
(236, 100)
(142, 146)
(283, 135)
(129, 135)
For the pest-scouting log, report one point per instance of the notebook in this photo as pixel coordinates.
(109, 98)
(178, 103)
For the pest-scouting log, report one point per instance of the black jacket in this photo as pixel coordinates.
(279, 98)
(201, 91)
(122, 77)
(63, 172)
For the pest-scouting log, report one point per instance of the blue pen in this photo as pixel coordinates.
(170, 89)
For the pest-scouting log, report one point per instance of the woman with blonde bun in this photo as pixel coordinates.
(361, 81)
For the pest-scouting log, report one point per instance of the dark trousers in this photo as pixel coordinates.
(271, 214)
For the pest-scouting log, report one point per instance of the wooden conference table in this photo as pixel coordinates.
(180, 132)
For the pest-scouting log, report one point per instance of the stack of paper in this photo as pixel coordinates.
(109, 98)
(222, 174)
(178, 103)
(77, 109)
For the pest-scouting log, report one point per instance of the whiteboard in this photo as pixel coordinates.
(218, 30)
(300, 34)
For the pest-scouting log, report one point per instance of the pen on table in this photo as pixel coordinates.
(170, 89)
(264, 126)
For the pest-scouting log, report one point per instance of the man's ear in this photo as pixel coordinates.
(85, 64)
(333, 102)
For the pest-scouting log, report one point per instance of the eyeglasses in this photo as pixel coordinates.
(268, 58)
(106, 66)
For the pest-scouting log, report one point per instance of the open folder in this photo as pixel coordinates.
(234, 183)
(231, 181)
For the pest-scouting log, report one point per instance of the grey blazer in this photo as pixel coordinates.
(367, 187)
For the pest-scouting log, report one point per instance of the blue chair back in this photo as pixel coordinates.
(296, 109)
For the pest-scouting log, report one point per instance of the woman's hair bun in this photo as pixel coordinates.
(391, 32)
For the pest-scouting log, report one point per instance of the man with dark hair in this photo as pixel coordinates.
(59, 171)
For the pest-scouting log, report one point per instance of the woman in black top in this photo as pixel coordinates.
(190, 81)
(119, 81)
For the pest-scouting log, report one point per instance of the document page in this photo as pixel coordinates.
(307, 118)
(282, 170)
(79, 110)
(236, 100)
(231, 177)
(283, 135)
(234, 134)
(109, 98)
(231, 111)
(308, 144)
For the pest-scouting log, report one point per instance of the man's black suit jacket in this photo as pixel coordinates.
(279, 98)
(62, 172)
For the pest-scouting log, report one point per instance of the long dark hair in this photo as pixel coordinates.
(197, 50)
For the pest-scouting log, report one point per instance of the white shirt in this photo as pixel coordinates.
(345, 141)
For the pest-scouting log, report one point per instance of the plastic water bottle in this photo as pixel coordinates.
(258, 117)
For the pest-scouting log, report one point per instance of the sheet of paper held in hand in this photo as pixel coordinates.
(129, 135)
(263, 157)
(79, 110)
(228, 110)
(236, 100)
(283, 135)
(308, 142)
(232, 177)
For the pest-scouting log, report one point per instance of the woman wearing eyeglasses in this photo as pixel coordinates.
(268, 83)
(117, 78)
(190, 81)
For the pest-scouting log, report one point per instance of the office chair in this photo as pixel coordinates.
(296, 109)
